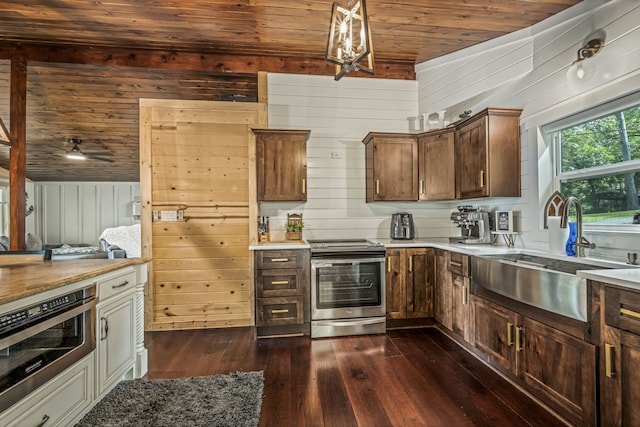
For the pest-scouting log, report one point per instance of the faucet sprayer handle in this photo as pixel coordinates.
(585, 243)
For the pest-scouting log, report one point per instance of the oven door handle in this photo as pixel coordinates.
(43, 326)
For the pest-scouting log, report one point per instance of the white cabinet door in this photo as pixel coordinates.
(115, 340)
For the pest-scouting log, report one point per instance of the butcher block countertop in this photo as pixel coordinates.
(22, 280)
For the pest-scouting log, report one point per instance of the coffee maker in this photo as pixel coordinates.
(475, 225)
(402, 226)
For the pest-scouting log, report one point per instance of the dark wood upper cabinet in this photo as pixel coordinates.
(487, 153)
(391, 163)
(436, 165)
(281, 163)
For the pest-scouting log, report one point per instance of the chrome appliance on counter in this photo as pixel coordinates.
(43, 338)
(475, 225)
(347, 287)
(402, 227)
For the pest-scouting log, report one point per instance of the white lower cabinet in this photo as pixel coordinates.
(60, 402)
(116, 332)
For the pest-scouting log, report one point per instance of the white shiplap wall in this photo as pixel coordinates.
(528, 69)
(339, 115)
(79, 212)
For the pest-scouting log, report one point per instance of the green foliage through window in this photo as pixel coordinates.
(598, 164)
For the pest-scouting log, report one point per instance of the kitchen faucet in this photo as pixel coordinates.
(581, 241)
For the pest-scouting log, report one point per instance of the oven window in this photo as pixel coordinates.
(349, 285)
(34, 352)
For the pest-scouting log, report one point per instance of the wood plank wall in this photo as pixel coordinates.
(339, 115)
(495, 74)
(199, 157)
(78, 212)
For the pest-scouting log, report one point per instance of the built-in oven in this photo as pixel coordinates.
(41, 339)
(347, 288)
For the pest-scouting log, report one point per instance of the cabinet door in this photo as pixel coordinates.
(436, 166)
(443, 292)
(620, 377)
(471, 159)
(561, 369)
(460, 306)
(115, 340)
(396, 284)
(420, 278)
(281, 159)
(395, 169)
(492, 331)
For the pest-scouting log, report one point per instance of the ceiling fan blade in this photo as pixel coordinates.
(102, 159)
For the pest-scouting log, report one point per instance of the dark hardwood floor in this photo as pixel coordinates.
(408, 377)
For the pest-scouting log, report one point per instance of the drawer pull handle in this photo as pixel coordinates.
(388, 264)
(121, 285)
(421, 186)
(280, 282)
(509, 334)
(482, 179)
(411, 264)
(455, 264)
(304, 186)
(279, 259)
(631, 313)
(377, 186)
(44, 421)
(465, 295)
(279, 310)
(608, 355)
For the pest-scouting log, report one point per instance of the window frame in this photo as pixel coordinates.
(551, 132)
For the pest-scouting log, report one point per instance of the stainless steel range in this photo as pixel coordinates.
(347, 287)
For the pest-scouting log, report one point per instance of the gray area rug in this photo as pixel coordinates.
(218, 400)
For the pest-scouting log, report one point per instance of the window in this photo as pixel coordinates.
(597, 161)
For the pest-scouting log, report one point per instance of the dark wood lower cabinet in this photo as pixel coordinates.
(556, 367)
(409, 283)
(620, 385)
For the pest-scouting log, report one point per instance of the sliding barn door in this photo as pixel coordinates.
(199, 207)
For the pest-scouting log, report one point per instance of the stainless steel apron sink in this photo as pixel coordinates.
(547, 283)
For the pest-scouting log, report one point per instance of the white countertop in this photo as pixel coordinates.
(617, 273)
(629, 278)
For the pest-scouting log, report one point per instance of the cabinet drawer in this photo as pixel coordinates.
(279, 311)
(281, 259)
(58, 402)
(459, 264)
(278, 283)
(117, 284)
(622, 309)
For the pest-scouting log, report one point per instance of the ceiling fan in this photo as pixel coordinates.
(76, 154)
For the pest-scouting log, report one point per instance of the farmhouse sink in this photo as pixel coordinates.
(546, 283)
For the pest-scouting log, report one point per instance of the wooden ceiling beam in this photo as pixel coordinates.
(220, 63)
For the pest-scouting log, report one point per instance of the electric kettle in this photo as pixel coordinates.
(402, 226)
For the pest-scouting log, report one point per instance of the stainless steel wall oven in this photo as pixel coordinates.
(42, 339)
(347, 288)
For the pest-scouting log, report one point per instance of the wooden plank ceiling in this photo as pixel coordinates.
(90, 62)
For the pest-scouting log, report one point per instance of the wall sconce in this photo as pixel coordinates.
(349, 44)
(579, 69)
